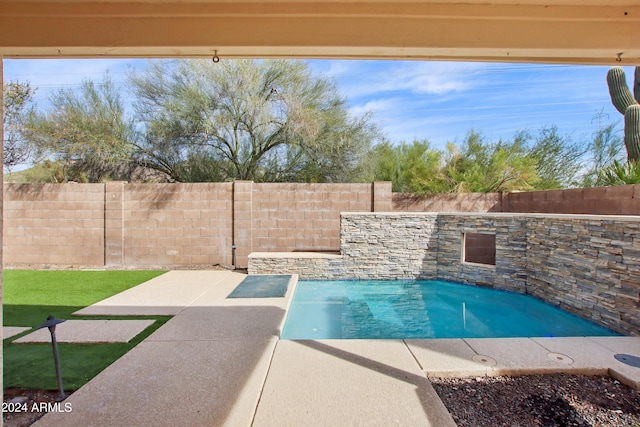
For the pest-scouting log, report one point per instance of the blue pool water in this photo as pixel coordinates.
(423, 309)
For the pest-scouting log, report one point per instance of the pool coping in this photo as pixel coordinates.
(464, 357)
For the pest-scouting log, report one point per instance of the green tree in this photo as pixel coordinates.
(413, 168)
(479, 166)
(604, 149)
(558, 159)
(18, 104)
(270, 120)
(545, 160)
(85, 134)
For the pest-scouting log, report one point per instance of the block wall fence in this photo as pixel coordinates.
(122, 225)
(618, 200)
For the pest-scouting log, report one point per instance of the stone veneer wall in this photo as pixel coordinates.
(381, 246)
(389, 246)
(586, 264)
(509, 273)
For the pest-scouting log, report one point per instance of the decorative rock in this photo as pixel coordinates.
(19, 400)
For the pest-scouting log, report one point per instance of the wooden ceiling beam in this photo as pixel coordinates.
(590, 33)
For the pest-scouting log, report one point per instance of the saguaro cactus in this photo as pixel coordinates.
(628, 104)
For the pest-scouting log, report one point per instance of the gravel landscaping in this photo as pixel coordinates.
(23, 407)
(539, 400)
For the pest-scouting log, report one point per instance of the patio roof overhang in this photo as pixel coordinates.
(566, 31)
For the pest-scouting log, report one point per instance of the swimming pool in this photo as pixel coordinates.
(423, 309)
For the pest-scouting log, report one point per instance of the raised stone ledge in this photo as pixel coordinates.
(629, 218)
(294, 255)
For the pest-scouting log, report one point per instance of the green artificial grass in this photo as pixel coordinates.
(31, 365)
(31, 296)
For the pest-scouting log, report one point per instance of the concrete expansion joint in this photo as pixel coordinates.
(413, 355)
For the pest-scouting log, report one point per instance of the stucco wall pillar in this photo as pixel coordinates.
(382, 200)
(242, 221)
(114, 223)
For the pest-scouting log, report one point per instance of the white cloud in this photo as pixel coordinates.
(435, 77)
(379, 107)
(338, 69)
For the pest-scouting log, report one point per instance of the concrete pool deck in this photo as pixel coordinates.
(89, 332)
(218, 361)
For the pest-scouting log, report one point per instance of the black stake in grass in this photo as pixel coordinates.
(51, 324)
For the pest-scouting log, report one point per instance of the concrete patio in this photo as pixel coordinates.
(89, 331)
(219, 361)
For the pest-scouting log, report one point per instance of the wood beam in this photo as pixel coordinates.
(590, 33)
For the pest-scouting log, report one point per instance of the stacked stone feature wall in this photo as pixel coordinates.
(389, 246)
(589, 266)
(374, 246)
(509, 273)
(409, 246)
(313, 266)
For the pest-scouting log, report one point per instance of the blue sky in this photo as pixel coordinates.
(438, 101)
